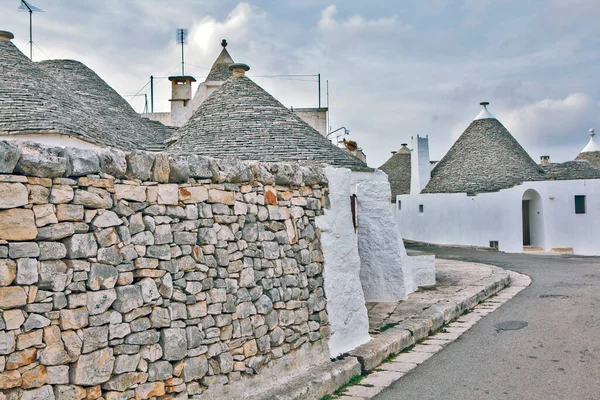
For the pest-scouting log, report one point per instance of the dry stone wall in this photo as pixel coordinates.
(144, 275)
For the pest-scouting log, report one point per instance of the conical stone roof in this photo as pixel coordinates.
(241, 120)
(485, 158)
(220, 69)
(398, 169)
(114, 121)
(32, 102)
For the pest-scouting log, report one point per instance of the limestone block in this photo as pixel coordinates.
(159, 371)
(58, 375)
(100, 301)
(13, 319)
(124, 381)
(149, 390)
(128, 298)
(21, 358)
(174, 344)
(220, 196)
(52, 251)
(139, 165)
(193, 194)
(12, 297)
(168, 194)
(69, 212)
(8, 271)
(126, 363)
(102, 277)
(41, 161)
(23, 250)
(81, 161)
(109, 255)
(56, 231)
(9, 156)
(81, 246)
(29, 339)
(106, 219)
(10, 379)
(73, 318)
(34, 378)
(97, 198)
(13, 194)
(199, 167)
(130, 192)
(35, 321)
(61, 194)
(7, 342)
(194, 368)
(94, 338)
(17, 224)
(94, 368)
(112, 162)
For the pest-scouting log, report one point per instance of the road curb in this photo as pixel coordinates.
(328, 378)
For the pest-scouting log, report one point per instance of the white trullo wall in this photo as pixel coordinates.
(458, 219)
(52, 139)
(345, 298)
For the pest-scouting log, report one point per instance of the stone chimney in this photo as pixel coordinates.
(6, 35)
(545, 160)
(239, 68)
(420, 166)
(181, 94)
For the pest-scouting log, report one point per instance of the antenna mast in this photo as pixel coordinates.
(182, 35)
(26, 7)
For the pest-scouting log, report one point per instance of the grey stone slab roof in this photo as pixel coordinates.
(220, 69)
(116, 123)
(593, 157)
(579, 169)
(485, 158)
(65, 97)
(241, 120)
(398, 170)
(32, 102)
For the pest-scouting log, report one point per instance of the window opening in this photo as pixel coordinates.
(579, 204)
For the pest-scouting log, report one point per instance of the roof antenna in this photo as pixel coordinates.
(26, 7)
(182, 35)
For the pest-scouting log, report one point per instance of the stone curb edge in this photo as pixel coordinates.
(326, 379)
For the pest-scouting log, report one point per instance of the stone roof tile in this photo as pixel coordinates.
(398, 170)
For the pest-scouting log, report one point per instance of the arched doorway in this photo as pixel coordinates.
(533, 219)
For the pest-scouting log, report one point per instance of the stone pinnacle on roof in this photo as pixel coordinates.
(241, 120)
(484, 114)
(220, 69)
(6, 35)
(485, 158)
(591, 152)
(592, 145)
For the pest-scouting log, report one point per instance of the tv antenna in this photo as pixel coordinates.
(26, 7)
(182, 35)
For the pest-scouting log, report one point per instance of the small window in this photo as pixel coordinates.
(399, 205)
(579, 204)
(421, 208)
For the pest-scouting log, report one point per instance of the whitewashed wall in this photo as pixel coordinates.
(52, 139)
(458, 219)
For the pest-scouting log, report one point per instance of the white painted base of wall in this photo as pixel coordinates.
(458, 219)
(52, 139)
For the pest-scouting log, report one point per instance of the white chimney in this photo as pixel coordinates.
(419, 164)
(181, 94)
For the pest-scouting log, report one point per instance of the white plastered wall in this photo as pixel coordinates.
(345, 298)
(458, 219)
(53, 139)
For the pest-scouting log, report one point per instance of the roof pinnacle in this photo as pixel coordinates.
(484, 114)
(224, 43)
(592, 145)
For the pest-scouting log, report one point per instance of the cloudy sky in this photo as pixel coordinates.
(395, 68)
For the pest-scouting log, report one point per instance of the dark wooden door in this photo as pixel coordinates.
(526, 228)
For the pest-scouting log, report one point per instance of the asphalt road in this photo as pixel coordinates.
(556, 356)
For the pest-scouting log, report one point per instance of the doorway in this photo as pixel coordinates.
(526, 226)
(532, 220)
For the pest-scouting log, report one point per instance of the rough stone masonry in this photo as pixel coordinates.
(145, 275)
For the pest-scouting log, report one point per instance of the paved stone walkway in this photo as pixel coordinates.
(451, 284)
(455, 280)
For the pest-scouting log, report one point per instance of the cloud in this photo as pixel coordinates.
(237, 27)
(355, 23)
